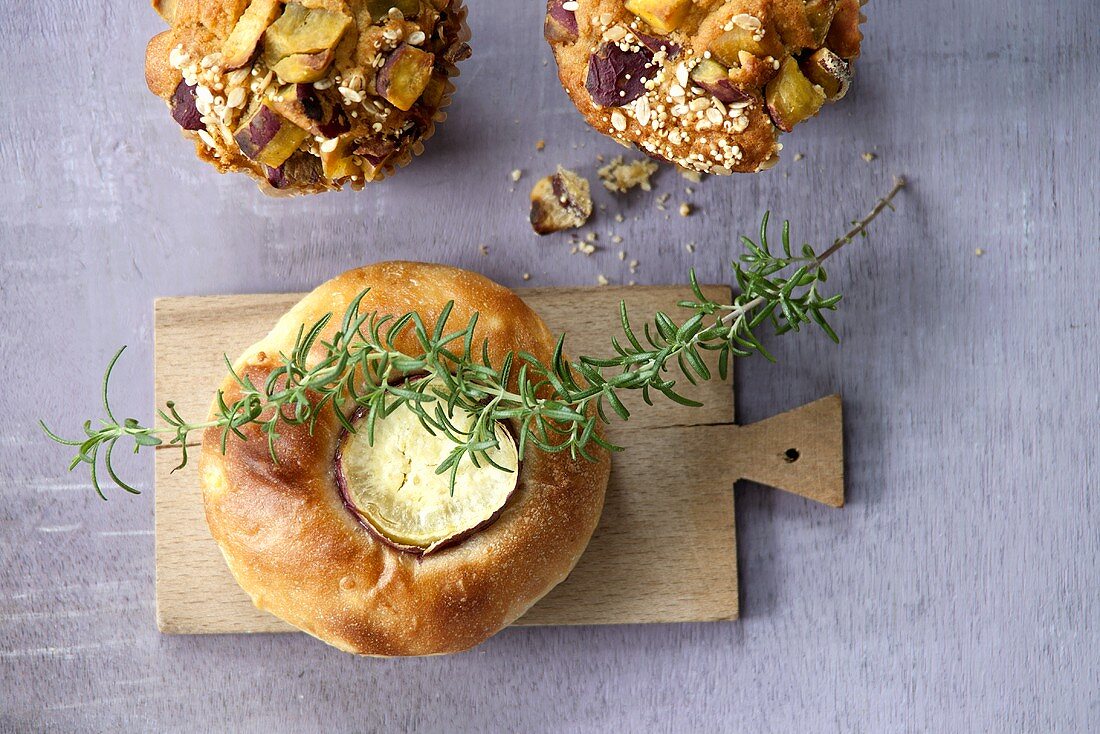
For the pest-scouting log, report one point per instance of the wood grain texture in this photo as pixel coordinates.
(665, 550)
(956, 592)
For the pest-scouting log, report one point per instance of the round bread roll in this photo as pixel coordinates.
(316, 552)
(306, 96)
(705, 84)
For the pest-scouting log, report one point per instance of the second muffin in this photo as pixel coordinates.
(705, 84)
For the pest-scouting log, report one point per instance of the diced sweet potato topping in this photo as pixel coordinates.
(241, 44)
(663, 16)
(791, 97)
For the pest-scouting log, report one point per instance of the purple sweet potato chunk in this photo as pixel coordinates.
(261, 130)
(335, 127)
(714, 78)
(184, 110)
(311, 104)
(561, 24)
(725, 91)
(375, 149)
(276, 177)
(615, 76)
(655, 44)
(315, 111)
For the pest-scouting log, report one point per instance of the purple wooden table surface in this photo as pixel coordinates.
(958, 591)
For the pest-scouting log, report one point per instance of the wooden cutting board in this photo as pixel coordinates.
(665, 549)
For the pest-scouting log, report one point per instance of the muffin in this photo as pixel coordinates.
(705, 84)
(307, 96)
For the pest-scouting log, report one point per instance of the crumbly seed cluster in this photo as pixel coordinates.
(620, 176)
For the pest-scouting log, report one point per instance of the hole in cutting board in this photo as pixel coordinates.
(791, 455)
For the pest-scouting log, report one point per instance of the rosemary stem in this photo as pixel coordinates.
(357, 367)
(857, 229)
(861, 226)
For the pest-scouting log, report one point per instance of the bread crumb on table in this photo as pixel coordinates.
(620, 176)
(690, 175)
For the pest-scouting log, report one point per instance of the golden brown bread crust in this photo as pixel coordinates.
(299, 553)
(382, 137)
(734, 137)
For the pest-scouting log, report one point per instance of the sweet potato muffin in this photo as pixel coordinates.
(307, 95)
(705, 84)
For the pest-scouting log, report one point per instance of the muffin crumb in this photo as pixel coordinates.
(620, 176)
(560, 201)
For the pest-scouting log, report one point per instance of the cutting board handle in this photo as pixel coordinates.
(800, 451)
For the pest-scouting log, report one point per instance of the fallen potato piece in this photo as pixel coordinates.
(560, 201)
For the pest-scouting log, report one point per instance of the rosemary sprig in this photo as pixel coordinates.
(557, 406)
